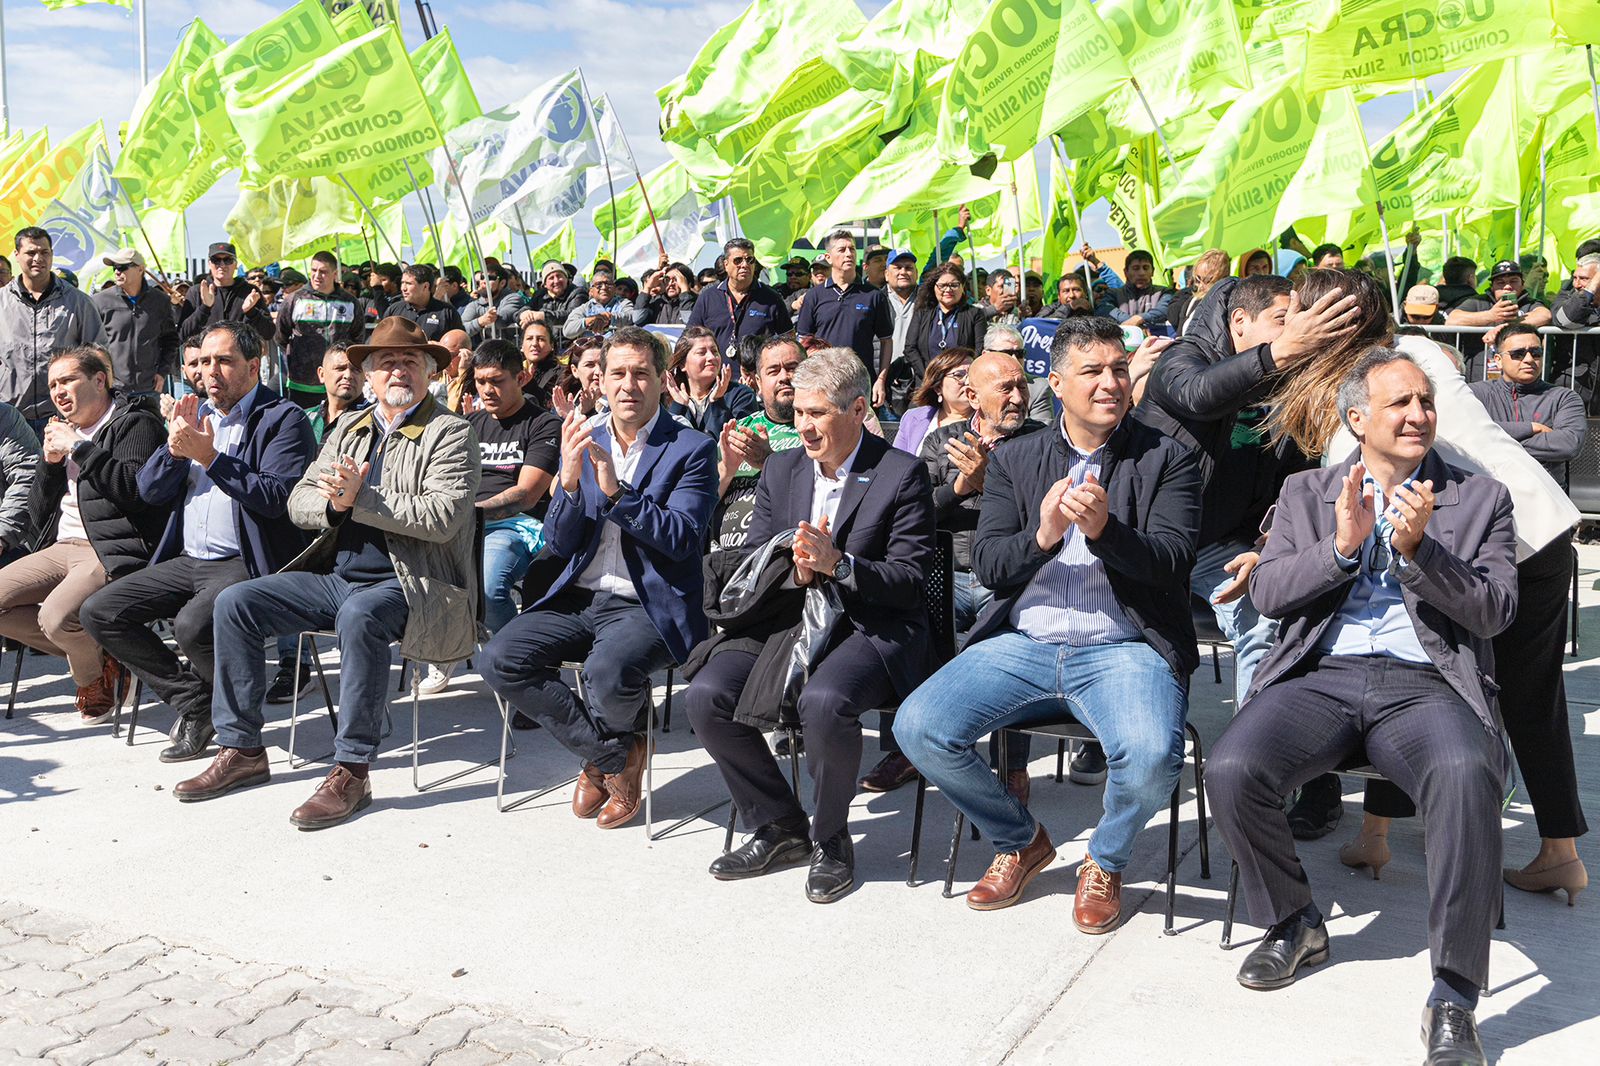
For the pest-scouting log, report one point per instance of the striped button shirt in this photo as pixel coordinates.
(1070, 600)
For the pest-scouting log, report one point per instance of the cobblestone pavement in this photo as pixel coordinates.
(73, 995)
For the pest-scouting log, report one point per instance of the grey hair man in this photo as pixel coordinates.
(1008, 340)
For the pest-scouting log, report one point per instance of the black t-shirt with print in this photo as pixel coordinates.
(531, 437)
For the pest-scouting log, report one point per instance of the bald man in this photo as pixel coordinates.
(957, 456)
(448, 386)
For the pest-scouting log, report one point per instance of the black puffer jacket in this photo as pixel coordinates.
(122, 528)
(1195, 394)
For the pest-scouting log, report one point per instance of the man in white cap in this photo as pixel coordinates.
(1421, 306)
(141, 332)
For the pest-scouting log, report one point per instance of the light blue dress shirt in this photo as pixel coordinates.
(209, 528)
(1070, 600)
(1373, 619)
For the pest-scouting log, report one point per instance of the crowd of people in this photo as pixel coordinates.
(534, 475)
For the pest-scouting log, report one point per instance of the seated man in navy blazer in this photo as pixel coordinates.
(633, 498)
(1390, 574)
(864, 515)
(226, 472)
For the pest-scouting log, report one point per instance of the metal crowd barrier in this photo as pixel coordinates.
(1477, 366)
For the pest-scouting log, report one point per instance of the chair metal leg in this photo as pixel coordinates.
(16, 676)
(416, 739)
(294, 703)
(133, 714)
(666, 710)
(696, 816)
(1061, 759)
(955, 851)
(1574, 602)
(733, 820)
(794, 758)
(1172, 860)
(1233, 900)
(1200, 801)
(1216, 667)
(650, 772)
(916, 830)
(401, 687)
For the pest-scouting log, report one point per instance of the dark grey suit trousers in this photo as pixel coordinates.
(1405, 720)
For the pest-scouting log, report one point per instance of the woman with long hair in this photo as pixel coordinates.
(579, 384)
(942, 398)
(704, 388)
(942, 319)
(1210, 268)
(1532, 697)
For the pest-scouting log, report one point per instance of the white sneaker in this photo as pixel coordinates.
(438, 677)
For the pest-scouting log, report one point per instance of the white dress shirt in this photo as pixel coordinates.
(827, 491)
(71, 526)
(209, 529)
(608, 572)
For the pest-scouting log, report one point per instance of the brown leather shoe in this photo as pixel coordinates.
(231, 770)
(97, 700)
(892, 771)
(623, 788)
(340, 795)
(589, 795)
(1010, 873)
(1098, 905)
(1020, 785)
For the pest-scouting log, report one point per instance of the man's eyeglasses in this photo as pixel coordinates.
(1521, 354)
(223, 260)
(743, 260)
(120, 267)
(1015, 352)
(494, 277)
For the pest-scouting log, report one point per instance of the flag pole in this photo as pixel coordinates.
(1022, 244)
(1162, 137)
(433, 223)
(375, 226)
(527, 249)
(148, 243)
(144, 45)
(643, 192)
(605, 159)
(1383, 224)
(473, 243)
(1543, 158)
(5, 103)
(1594, 89)
(1077, 217)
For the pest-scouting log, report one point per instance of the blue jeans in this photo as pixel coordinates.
(1125, 693)
(1239, 621)
(367, 617)
(971, 599)
(505, 563)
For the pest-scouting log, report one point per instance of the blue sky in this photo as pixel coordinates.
(64, 68)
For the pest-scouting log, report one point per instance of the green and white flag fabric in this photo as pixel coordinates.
(532, 158)
(1028, 69)
(1134, 194)
(163, 236)
(1353, 42)
(34, 186)
(1274, 35)
(685, 223)
(57, 5)
(86, 217)
(1186, 54)
(358, 104)
(166, 158)
(562, 247)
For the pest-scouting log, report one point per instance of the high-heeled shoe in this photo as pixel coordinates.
(1370, 852)
(1570, 877)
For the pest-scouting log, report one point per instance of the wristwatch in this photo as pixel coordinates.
(622, 487)
(841, 569)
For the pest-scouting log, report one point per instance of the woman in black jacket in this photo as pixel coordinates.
(941, 319)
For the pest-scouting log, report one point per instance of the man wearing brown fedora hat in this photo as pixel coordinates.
(390, 499)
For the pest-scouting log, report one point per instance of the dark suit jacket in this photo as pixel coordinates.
(1153, 487)
(1460, 590)
(885, 523)
(662, 515)
(278, 446)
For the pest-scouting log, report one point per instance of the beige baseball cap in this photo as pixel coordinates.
(1422, 300)
(124, 257)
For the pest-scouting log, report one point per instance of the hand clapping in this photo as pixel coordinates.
(814, 552)
(340, 483)
(1409, 510)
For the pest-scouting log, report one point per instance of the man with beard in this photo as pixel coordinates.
(746, 444)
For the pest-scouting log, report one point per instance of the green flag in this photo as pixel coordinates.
(1134, 193)
(562, 246)
(36, 186)
(1060, 225)
(449, 91)
(351, 22)
(378, 12)
(23, 157)
(736, 72)
(1186, 54)
(1274, 35)
(1227, 197)
(1028, 69)
(166, 157)
(357, 104)
(163, 236)
(1353, 42)
(57, 5)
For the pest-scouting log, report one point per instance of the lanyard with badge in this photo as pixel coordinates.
(736, 312)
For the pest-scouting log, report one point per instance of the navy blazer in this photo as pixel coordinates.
(278, 446)
(1152, 488)
(663, 515)
(885, 523)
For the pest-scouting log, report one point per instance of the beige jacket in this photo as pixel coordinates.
(424, 506)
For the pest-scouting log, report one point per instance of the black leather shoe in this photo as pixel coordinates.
(1451, 1033)
(1318, 810)
(1088, 767)
(833, 868)
(1276, 961)
(288, 681)
(192, 737)
(772, 846)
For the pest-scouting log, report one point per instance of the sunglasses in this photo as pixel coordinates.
(495, 277)
(1007, 351)
(224, 260)
(120, 267)
(1522, 354)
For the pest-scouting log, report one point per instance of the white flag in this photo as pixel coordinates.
(531, 158)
